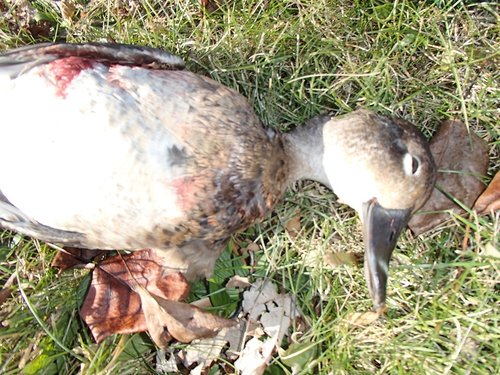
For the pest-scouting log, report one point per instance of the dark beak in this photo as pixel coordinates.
(381, 231)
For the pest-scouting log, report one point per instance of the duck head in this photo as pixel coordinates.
(380, 166)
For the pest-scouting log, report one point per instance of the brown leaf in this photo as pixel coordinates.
(337, 259)
(211, 5)
(183, 321)
(461, 158)
(253, 247)
(293, 226)
(489, 201)
(71, 257)
(6, 290)
(238, 282)
(111, 305)
(358, 319)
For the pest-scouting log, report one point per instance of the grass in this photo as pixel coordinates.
(425, 61)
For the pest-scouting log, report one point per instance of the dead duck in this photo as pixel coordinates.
(118, 147)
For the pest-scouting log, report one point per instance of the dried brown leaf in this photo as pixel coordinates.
(6, 290)
(489, 201)
(293, 226)
(238, 282)
(362, 319)
(71, 257)
(337, 259)
(211, 5)
(253, 247)
(203, 303)
(111, 306)
(183, 321)
(461, 158)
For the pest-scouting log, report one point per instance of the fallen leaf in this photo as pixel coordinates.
(70, 257)
(203, 303)
(489, 201)
(166, 365)
(491, 251)
(238, 282)
(293, 226)
(205, 351)
(197, 370)
(256, 355)
(184, 322)
(279, 316)
(269, 316)
(111, 306)
(211, 5)
(461, 158)
(253, 247)
(6, 290)
(338, 259)
(255, 299)
(362, 319)
(234, 337)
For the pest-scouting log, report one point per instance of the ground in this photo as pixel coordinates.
(425, 61)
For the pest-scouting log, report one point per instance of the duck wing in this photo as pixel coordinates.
(21, 60)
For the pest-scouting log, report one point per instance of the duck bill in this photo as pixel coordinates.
(381, 231)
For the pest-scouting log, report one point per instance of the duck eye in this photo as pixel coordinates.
(411, 164)
(415, 163)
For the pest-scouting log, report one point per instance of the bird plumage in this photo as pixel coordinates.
(118, 147)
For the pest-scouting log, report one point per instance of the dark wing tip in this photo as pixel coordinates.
(107, 53)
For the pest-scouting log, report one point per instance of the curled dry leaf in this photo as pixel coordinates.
(238, 282)
(70, 257)
(461, 158)
(489, 201)
(140, 292)
(111, 306)
(184, 322)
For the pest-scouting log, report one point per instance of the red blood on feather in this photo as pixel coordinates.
(67, 69)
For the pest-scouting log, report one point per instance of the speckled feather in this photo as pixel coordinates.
(118, 147)
(181, 135)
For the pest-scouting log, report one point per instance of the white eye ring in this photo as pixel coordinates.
(411, 165)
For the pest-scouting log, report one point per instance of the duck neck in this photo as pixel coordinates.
(304, 148)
